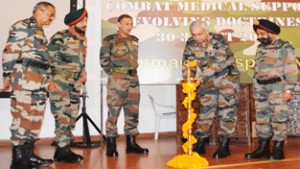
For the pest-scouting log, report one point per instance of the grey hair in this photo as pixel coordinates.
(42, 4)
(198, 24)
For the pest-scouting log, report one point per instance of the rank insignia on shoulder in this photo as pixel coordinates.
(197, 51)
(119, 44)
(217, 36)
(39, 33)
(269, 51)
(134, 38)
(26, 21)
(135, 43)
(63, 31)
(72, 42)
(209, 48)
(29, 23)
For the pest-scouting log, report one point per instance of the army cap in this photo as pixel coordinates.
(266, 25)
(75, 16)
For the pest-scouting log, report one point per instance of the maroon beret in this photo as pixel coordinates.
(266, 25)
(75, 16)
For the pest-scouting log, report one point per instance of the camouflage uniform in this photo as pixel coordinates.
(275, 71)
(220, 86)
(26, 60)
(68, 55)
(119, 58)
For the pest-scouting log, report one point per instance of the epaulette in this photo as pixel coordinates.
(218, 36)
(134, 38)
(288, 44)
(58, 35)
(284, 42)
(190, 39)
(278, 44)
(110, 37)
(63, 31)
(57, 38)
(31, 22)
(26, 22)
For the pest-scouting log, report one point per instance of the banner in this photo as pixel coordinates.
(163, 29)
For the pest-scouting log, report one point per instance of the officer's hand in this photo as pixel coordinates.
(6, 84)
(52, 87)
(198, 80)
(83, 77)
(287, 95)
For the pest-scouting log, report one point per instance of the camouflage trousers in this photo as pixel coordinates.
(65, 108)
(271, 111)
(28, 103)
(123, 91)
(219, 94)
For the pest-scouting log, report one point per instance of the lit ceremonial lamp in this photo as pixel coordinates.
(190, 159)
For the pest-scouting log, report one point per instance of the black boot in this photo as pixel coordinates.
(19, 158)
(223, 150)
(133, 147)
(262, 151)
(34, 160)
(65, 155)
(277, 153)
(200, 145)
(111, 149)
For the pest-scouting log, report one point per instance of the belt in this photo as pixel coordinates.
(124, 70)
(223, 71)
(66, 74)
(269, 81)
(34, 63)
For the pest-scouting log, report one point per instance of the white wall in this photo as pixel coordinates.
(164, 94)
(10, 13)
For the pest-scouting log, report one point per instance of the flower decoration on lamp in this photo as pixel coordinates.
(190, 159)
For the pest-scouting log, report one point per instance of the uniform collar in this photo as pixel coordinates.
(120, 37)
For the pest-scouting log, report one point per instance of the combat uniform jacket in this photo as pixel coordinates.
(119, 52)
(26, 45)
(68, 53)
(276, 60)
(214, 59)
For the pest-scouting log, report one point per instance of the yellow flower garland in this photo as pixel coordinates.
(194, 160)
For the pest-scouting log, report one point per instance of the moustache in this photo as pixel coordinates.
(79, 31)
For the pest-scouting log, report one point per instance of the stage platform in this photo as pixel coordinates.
(160, 152)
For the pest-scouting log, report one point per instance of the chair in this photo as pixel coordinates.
(161, 114)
